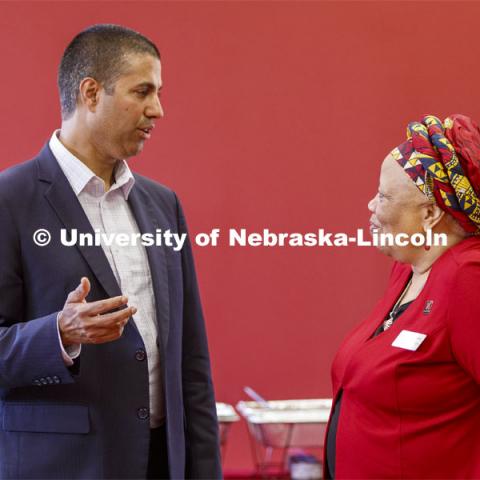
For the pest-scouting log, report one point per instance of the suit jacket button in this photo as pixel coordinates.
(56, 379)
(37, 382)
(44, 381)
(142, 413)
(140, 355)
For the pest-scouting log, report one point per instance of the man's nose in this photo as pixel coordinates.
(155, 109)
(372, 204)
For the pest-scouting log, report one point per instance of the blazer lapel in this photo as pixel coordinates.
(65, 203)
(142, 207)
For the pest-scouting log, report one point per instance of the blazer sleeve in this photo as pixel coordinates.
(30, 352)
(463, 318)
(202, 443)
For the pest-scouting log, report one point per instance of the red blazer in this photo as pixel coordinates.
(415, 414)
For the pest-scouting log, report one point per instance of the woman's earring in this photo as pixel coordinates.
(426, 246)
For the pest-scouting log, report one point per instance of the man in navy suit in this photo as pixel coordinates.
(104, 365)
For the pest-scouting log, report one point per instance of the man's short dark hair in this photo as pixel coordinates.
(99, 52)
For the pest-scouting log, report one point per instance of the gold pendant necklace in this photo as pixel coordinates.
(391, 316)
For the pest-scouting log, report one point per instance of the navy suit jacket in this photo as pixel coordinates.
(88, 420)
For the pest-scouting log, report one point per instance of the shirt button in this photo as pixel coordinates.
(140, 355)
(142, 413)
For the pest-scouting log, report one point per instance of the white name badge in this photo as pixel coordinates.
(409, 340)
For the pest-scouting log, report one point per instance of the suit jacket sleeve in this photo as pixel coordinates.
(464, 318)
(202, 444)
(30, 353)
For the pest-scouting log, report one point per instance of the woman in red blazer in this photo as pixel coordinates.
(406, 380)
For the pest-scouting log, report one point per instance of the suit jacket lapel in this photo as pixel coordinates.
(65, 203)
(142, 207)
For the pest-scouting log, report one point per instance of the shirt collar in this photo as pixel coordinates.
(80, 176)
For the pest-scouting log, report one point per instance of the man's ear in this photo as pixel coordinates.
(432, 214)
(88, 93)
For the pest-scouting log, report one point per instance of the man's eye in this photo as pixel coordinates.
(141, 93)
(381, 195)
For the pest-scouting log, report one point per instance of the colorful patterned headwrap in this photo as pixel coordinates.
(443, 159)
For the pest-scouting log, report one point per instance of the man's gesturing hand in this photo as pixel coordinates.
(83, 322)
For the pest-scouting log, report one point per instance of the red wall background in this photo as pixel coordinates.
(278, 115)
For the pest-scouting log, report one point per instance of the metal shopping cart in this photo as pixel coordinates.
(276, 427)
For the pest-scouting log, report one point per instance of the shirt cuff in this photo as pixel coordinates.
(71, 352)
